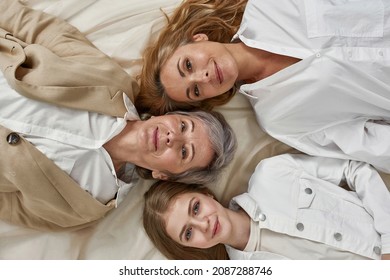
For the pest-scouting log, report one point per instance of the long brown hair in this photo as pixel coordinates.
(157, 201)
(218, 19)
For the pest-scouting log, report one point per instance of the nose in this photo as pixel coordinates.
(173, 138)
(202, 223)
(201, 76)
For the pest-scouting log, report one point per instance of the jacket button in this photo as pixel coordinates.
(338, 236)
(13, 138)
(377, 250)
(300, 227)
(262, 217)
(308, 191)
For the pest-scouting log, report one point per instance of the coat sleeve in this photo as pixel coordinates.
(60, 65)
(36, 27)
(361, 178)
(36, 193)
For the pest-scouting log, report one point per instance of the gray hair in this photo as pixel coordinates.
(223, 142)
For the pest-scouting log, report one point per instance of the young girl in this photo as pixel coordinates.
(295, 208)
(316, 72)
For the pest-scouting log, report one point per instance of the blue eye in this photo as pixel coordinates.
(188, 234)
(196, 208)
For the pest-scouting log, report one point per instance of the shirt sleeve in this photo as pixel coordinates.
(361, 178)
(360, 139)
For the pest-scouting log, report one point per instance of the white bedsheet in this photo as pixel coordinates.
(121, 29)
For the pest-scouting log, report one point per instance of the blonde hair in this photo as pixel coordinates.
(157, 201)
(218, 19)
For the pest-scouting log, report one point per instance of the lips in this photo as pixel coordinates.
(155, 139)
(218, 73)
(216, 228)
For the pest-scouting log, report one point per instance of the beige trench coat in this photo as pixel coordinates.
(44, 58)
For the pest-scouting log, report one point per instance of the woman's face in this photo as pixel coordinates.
(199, 70)
(173, 143)
(198, 220)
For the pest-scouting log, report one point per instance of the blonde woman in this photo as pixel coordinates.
(223, 19)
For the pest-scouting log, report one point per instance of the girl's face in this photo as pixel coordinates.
(173, 143)
(199, 70)
(198, 220)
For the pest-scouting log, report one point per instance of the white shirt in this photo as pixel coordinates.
(335, 102)
(72, 139)
(299, 195)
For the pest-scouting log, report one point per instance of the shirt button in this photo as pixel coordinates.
(308, 191)
(262, 217)
(318, 55)
(13, 138)
(338, 236)
(377, 250)
(380, 53)
(300, 227)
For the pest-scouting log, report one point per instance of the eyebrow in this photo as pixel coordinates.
(183, 76)
(189, 213)
(178, 69)
(192, 145)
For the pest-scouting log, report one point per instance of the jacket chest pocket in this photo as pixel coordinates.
(316, 207)
(329, 206)
(344, 18)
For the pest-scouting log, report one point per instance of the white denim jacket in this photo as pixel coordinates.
(300, 196)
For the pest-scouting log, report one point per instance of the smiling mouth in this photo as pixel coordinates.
(155, 139)
(216, 228)
(218, 73)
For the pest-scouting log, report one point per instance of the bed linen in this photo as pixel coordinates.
(121, 29)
